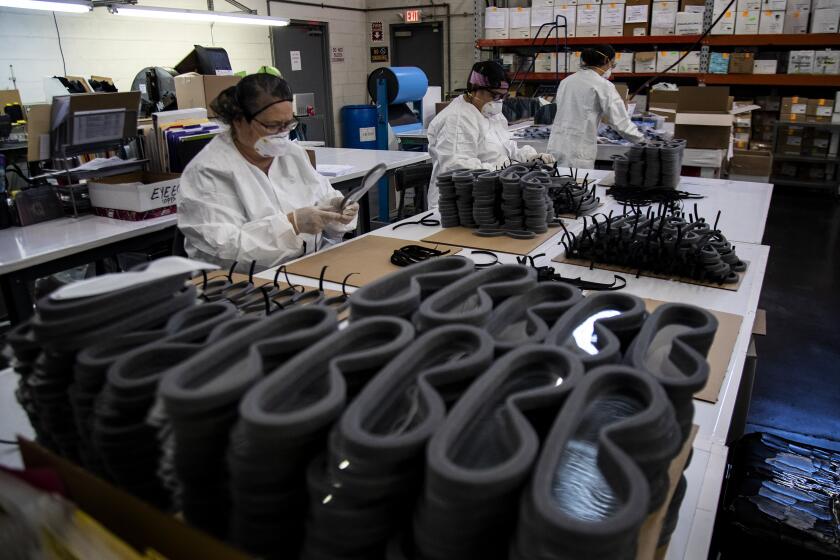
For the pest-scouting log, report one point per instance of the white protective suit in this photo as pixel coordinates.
(582, 100)
(460, 137)
(230, 210)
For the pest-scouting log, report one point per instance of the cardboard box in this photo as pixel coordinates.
(691, 63)
(138, 192)
(542, 3)
(823, 4)
(612, 19)
(637, 18)
(569, 11)
(794, 105)
(773, 5)
(644, 61)
(195, 91)
(541, 15)
(801, 62)
(495, 23)
(719, 63)
(726, 26)
(665, 59)
(664, 103)
(746, 22)
(771, 22)
(827, 62)
(819, 107)
(825, 20)
(588, 20)
(693, 6)
(741, 63)
(663, 18)
(624, 62)
(796, 21)
(801, 5)
(689, 23)
(751, 163)
(519, 23)
(703, 117)
(765, 66)
(748, 5)
(545, 62)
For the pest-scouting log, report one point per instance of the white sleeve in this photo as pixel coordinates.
(210, 216)
(616, 115)
(457, 146)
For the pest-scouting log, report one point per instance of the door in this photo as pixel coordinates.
(301, 54)
(421, 45)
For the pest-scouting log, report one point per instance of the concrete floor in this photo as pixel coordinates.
(797, 387)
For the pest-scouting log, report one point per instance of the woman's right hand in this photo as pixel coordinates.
(312, 220)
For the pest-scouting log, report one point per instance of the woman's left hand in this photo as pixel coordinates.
(349, 213)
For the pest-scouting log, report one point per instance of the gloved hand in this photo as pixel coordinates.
(546, 158)
(349, 214)
(334, 204)
(311, 219)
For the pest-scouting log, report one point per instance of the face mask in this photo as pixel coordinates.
(491, 108)
(273, 146)
(607, 74)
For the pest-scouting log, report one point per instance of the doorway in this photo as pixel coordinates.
(301, 53)
(421, 45)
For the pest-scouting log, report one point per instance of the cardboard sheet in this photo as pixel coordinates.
(463, 237)
(650, 531)
(369, 257)
(632, 272)
(729, 325)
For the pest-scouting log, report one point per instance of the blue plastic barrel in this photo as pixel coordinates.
(358, 126)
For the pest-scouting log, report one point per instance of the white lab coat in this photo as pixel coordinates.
(460, 137)
(230, 210)
(583, 99)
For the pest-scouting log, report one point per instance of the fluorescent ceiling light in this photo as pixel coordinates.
(197, 15)
(77, 6)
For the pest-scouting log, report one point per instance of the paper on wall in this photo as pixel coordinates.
(295, 59)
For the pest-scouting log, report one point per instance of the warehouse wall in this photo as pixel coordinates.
(106, 45)
(462, 33)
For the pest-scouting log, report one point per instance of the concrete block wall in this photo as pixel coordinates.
(118, 47)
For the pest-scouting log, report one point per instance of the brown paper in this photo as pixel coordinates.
(463, 237)
(760, 323)
(720, 353)
(632, 271)
(649, 534)
(369, 257)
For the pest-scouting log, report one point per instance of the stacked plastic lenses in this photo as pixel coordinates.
(653, 164)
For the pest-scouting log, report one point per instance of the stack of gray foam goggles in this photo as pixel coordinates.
(651, 164)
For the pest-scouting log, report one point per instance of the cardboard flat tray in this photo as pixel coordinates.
(368, 258)
(463, 237)
(633, 271)
(720, 354)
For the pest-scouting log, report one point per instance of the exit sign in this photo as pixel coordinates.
(412, 16)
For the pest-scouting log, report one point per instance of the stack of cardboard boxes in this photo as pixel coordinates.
(764, 121)
(807, 141)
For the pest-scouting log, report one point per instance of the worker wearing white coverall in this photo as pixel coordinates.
(252, 194)
(471, 132)
(583, 99)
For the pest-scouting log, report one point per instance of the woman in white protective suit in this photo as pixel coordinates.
(252, 194)
(583, 99)
(471, 132)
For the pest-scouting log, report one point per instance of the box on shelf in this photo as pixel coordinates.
(801, 5)
(545, 62)
(689, 23)
(496, 23)
(519, 23)
(693, 6)
(542, 3)
(741, 63)
(793, 106)
(138, 192)
(703, 117)
(541, 15)
(664, 103)
(771, 22)
(645, 61)
(820, 107)
(568, 11)
(746, 22)
(664, 59)
(719, 63)
(636, 18)
(196, 91)
(751, 164)
(765, 66)
(663, 18)
(773, 5)
(825, 20)
(827, 62)
(790, 140)
(748, 5)
(767, 103)
(573, 59)
(822, 4)
(796, 21)
(801, 62)
(691, 63)
(624, 62)
(588, 20)
(612, 19)
(816, 143)
(726, 26)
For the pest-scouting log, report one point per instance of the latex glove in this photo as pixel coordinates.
(545, 158)
(332, 204)
(311, 219)
(349, 214)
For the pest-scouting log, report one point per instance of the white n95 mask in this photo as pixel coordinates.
(273, 146)
(606, 75)
(491, 108)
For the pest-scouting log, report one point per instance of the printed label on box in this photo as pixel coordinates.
(636, 14)
(367, 134)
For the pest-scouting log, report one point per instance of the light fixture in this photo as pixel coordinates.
(196, 15)
(76, 6)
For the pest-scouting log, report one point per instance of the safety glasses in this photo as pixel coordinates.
(278, 128)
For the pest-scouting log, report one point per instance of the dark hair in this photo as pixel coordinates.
(492, 72)
(597, 55)
(251, 96)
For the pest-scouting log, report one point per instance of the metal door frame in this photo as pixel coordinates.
(329, 125)
(394, 27)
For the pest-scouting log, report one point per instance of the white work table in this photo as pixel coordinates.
(424, 134)
(363, 160)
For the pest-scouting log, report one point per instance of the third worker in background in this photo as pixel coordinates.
(583, 100)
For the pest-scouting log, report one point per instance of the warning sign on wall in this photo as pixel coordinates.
(377, 35)
(337, 55)
(379, 54)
